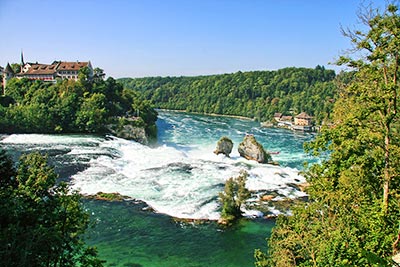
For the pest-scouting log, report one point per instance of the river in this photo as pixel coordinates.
(180, 177)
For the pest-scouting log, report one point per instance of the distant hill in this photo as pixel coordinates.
(255, 94)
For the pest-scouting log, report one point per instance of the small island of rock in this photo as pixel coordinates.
(250, 149)
(224, 146)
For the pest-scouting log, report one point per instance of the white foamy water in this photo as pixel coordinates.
(183, 184)
(45, 139)
(181, 177)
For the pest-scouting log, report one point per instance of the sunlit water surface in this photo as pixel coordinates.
(179, 177)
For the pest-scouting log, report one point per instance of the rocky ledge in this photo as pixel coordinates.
(108, 196)
(130, 128)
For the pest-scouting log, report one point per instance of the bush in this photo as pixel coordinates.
(233, 197)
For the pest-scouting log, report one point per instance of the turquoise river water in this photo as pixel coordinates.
(180, 177)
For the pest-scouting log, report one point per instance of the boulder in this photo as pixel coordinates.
(224, 146)
(252, 150)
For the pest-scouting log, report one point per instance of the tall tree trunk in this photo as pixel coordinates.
(386, 172)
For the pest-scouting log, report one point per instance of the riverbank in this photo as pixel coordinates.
(207, 114)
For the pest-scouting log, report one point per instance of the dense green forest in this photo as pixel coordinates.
(83, 106)
(257, 94)
(352, 217)
(41, 223)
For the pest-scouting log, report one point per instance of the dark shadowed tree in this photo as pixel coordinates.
(41, 223)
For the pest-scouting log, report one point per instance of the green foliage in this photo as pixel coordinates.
(257, 94)
(7, 172)
(5, 101)
(98, 73)
(66, 107)
(143, 109)
(261, 258)
(41, 223)
(16, 67)
(109, 196)
(91, 116)
(84, 74)
(35, 177)
(352, 218)
(234, 196)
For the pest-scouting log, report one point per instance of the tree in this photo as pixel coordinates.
(377, 85)
(7, 173)
(84, 75)
(234, 196)
(352, 217)
(91, 116)
(18, 88)
(98, 74)
(70, 106)
(16, 67)
(41, 223)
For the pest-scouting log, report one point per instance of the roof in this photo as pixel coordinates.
(36, 69)
(277, 115)
(303, 115)
(49, 69)
(8, 68)
(286, 118)
(71, 65)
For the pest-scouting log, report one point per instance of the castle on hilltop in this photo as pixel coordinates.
(45, 72)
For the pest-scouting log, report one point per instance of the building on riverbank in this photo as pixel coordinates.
(53, 71)
(303, 119)
(280, 118)
(46, 72)
(303, 122)
(5, 74)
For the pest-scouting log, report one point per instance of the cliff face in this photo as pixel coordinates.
(133, 129)
(131, 132)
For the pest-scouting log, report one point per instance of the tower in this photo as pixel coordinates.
(22, 60)
(8, 73)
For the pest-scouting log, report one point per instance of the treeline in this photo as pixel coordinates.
(83, 106)
(352, 216)
(257, 94)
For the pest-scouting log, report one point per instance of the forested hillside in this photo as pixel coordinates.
(257, 94)
(83, 106)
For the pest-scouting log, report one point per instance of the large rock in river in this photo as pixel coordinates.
(135, 133)
(252, 150)
(129, 128)
(224, 146)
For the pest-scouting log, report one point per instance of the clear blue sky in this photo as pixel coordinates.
(138, 38)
